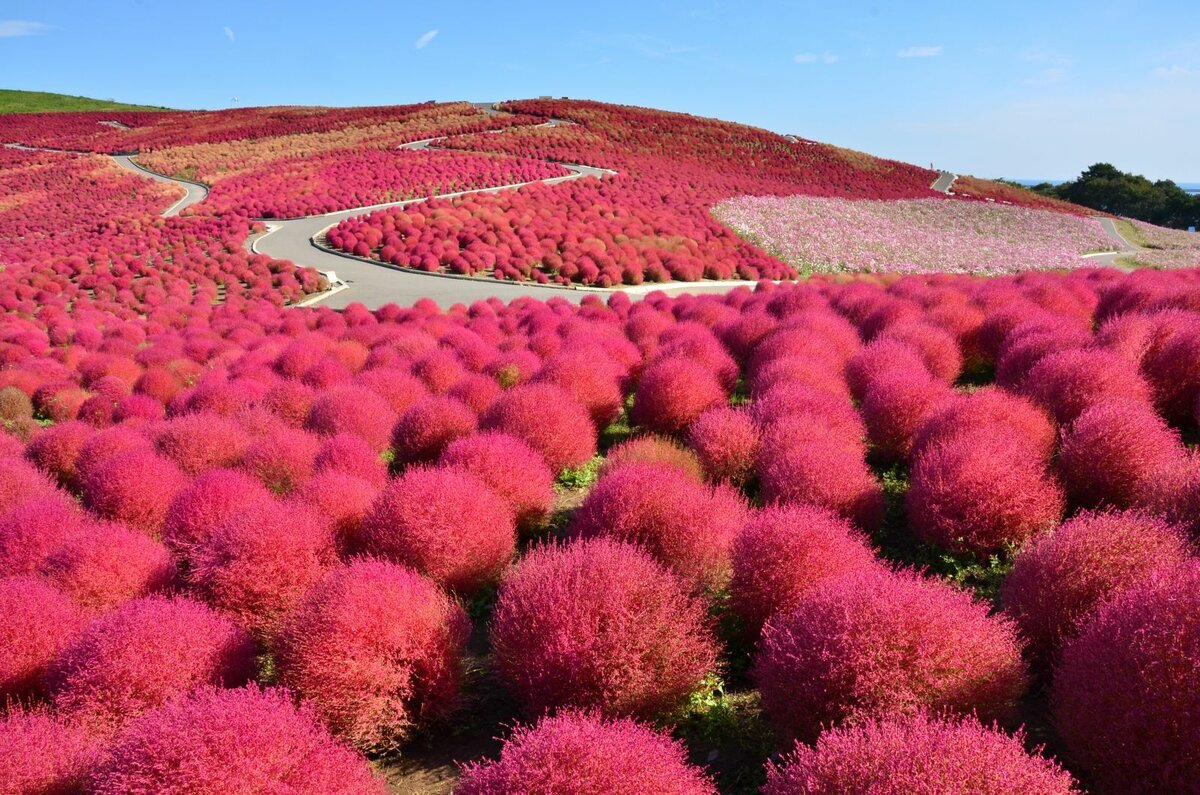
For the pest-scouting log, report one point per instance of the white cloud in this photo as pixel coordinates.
(1174, 70)
(11, 28)
(228, 32)
(812, 57)
(425, 39)
(920, 52)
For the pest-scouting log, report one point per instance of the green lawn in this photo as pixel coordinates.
(12, 101)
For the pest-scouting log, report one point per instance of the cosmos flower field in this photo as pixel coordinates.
(894, 532)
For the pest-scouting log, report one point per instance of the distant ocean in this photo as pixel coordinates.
(1191, 187)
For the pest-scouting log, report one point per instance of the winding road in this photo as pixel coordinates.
(944, 182)
(1110, 257)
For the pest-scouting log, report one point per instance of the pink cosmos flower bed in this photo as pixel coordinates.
(822, 235)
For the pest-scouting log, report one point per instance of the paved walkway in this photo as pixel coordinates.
(944, 182)
(193, 191)
(1110, 257)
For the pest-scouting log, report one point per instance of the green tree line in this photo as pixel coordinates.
(1107, 188)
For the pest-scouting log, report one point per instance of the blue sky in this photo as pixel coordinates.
(1015, 89)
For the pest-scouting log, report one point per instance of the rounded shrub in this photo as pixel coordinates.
(352, 409)
(143, 654)
(985, 408)
(895, 405)
(32, 530)
(879, 643)
(1059, 579)
(351, 455)
(376, 650)
(801, 462)
(584, 754)
(424, 430)
(980, 492)
(599, 624)
(878, 357)
(36, 621)
(725, 439)
(672, 393)
(135, 488)
(21, 482)
(1067, 382)
(224, 741)
(1116, 453)
(259, 562)
(688, 526)
(1126, 695)
(917, 754)
(549, 420)
(588, 379)
(105, 565)
(510, 468)
(1171, 368)
(654, 449)
(282, 461)
(197, 442)
(44, 755)
(783, 552)
(445, 523)
(205, 504)
(343, 501)
(789, 402)
(56, 450)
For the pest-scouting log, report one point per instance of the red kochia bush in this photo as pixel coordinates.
(979, 491)
(343, 501)
(56, 450)
(1066, 383)
(104, 565)
(1059, 579)
(1126, 696)
(584, 754)
(32, 530)
(549, 420)
(895, 405)
(589, 380)
(686, 525)
(879, 643)
(599, 624)
(20, 482)
(917, 755)
(353, 409)
(205, 504)
(424, 430)
(446, 524)
(653, 449)
(725, 439)
(135, 488)
(36, 622)
(196, 442)
(510, 468)
(259, 562)
(144, 653)
(986, 408)
(1116, 453)
(802, 462)
(351, 454)
(672, 393)
(782, 553)
(1172, 369)
(282, 461)
(44, 755)
(232, 741)
(376, 650)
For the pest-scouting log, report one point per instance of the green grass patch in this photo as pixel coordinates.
(580, 477)
(1131, 232)
(725, 731)
(13, 101)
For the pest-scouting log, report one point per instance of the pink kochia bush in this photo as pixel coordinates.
(672, 393)
(44, 755)
(549, 420)
(424, 430)
(1117, 453)
(105, 565)
(991, 406)
(143, 654)
(1068, 382)
(652, 449)
(1059, 579)
(135, 488)
(1126, 695)
(880, 643)
(36, 622)
(725, 439)
(510, 468)
(917, 755)
(894, 407)
(687, 526)
(599, 624)
(217, 742)
(980, 491)
(584, 754)
(445, 523)
(20, 482)
(258, 563)
(376, 650)
(784, 552)
(32, 530)
(205, 503)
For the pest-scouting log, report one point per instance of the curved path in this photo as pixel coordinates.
(193, 191)
(1110, 257)
(944, 182)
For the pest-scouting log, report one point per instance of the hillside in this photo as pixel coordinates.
(14, 101)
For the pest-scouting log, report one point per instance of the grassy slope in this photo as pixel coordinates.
(12, 101)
